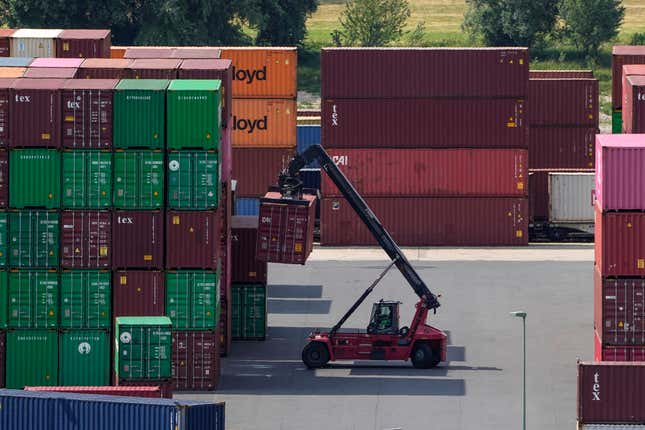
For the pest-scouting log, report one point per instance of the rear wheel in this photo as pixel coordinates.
(423, 357)
(315, 355)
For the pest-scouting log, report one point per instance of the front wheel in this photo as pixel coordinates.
(423, 357)
(315, 355)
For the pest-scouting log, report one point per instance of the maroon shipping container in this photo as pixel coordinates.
(246, 268)
(286, 229)
(617, 353)
(561, 74)
(50, 72)
(196, 52)
(226, 152)
(104, 68)
(563, 102)
(3, 356)
(431, 172)
(538, 196)
(424, 123)
(137, 239)
(138, 293)
(620, 243)
(157, 68)
(192, 239)
(150, 392)
(634, 105)
(5, 44)
(36, 113)
(4, 179)
(256, 169)
(611, 393)
(225, 327)
(85, 239)
(212, 69)
(164, 386)
(87, 113)
(562, 147)
(430, 72)
(5, 102)
(622, 55)
(195, 360)
(84, 43)
(422, 221)
(148, 52)
(630, 70)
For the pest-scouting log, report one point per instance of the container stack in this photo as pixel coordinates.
(435, 140)
(622, 56)
(633, 113)
(78, 43)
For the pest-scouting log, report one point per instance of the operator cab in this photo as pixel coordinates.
(385, 318)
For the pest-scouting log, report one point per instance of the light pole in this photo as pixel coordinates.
(522, 314)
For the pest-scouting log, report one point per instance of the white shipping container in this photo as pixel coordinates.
(570, 197)
(29, 42)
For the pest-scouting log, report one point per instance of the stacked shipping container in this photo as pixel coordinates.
(622, 56)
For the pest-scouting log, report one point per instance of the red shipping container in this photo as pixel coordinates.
(226, 153)
(622, 55)
(634, 105)
(562, 147)
(84, 43)
(563, 102)
(561, 74)
(620, 243)
(192, 239)
(5, 102)
(150, 392)
(51, 73)
(154, 68)
(430, 72)
(137, 240)
(538, 196)
(138, 293)
(85, 239)
(424, 123)
(226, 239)
(630, 70)
(148, 52)
(286, 230)
(246, 268)
(164, 386)
(104, 68)
(195, 360)
(429, 221)
(87, 113)
(225, 327)
(431, 172)
(5, 44)
(196, 52)
(257, 169)
(36, 113)
(3, 355)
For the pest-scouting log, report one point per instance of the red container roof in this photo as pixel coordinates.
(106, 63)
(7, 82)
(90, 84)
(50, 72)
(201, 64)
(636, 80)
(621, 140)
(155, 63)
(628, 50)
(56, 62)
(7, 32)
(148, 52)
(38, 84)
(196, 52)
(634, 69)
(84, 34)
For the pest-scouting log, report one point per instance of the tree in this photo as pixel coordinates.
(372, 22)
(510, 22)
(590, 23)
(281, 22)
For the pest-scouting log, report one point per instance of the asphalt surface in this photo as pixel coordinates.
(265, 385)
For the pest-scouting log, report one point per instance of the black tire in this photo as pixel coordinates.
(423, 357)
(315, 355)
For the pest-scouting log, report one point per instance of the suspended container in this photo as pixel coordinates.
(138, 179)
(85, 299)
(34, 237)
(87, 179)
(193, 180)
(192, 299)
(194, 114)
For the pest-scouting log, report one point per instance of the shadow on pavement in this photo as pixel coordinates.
(285, 306)
(294, 291)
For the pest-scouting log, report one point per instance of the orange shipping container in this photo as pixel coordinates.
(12, 72)
(117, 51)
(263, 72)
(264, 123)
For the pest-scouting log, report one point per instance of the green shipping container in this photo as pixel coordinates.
(142, 348)
(248, 311)
(33, 299)
(192, 299)
(617, 122)
(193, 180)
(33, 239)
(138, 179)
(140, 113)
(84, 358)
(194, 114)
(4, 297)
(34, 178)
(85, 299)
(4, 233)
(32, 358)
(87, 179)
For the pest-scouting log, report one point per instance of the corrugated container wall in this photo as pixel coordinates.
(104, 68)
(212, 69)
(156, 68)
(193, 114)
(137, 239)
(81, 43)
(634, 105)
(4, 249)
(563, 102)
(5, 104)
(86, 239)
(84, 357)
(193, 180)
(142, 348)
(4, 179)
(86, 299)
(32, 359)
(617, 353)
(138, 179)
(3, 355)
(247, 206)
(138, 292)
(33, 239)
(195, 362)
(561, 74)
(249, 309)
(29, 42)
(87, 179)
(246, 268)
(192, 239)
(29, 190)
(570, 197)
(257, 169)
(149, 392)
(620, 243)
(264, 123)
(622, 55)
(629, 70)
(33, 299)
(192, 299)
(562, 147)
(5, 42)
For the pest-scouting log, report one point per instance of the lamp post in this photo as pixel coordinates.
(522, 314)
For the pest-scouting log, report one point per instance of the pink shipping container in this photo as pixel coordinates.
(429, 221)
(84, 43)
(286, 229)
(561, 74)
(5, 44)
(431, 172)
(424, 123)
(104, 68)
(164, 386)
(151, 392)
(562, 147)
(212, 69)
(634, 105)
(86, 239)
(195, 360)
(154, 68)
(50, 73)
(256, 169)
(3, 356)
(137, 239)
(36, 113)
(192, 239)
(620, 176)
(70, 63)
(246, 268)
(620, 243)
(5, 102)
(563, 102)
(622, 55)
(430, 72)
(138, 293)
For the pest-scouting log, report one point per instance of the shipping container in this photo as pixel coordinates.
(4, 249)
(85, 299)
(247, 206)
(15, 61)
(12, 72)
(226, 153)
(87, 179)
(84, 357)
(118, 51)
(225, 327)
(138, 293)
(104, 68)
(28, 42)
(86, 239)
(36, 113)
(140, 113)
(563, 102)
(87, 113)
(212, 69)
(154, 68)
(429, 221)
(193, 114)
(562, 147)
(263, 72)
(561, 74)
(245, 267)
(164, 385)
(138, 179)
(633, 109)
(32, 359)
(256, 169)
(630, 70)
(193, 180)
(264, 123)
(431, 172)
(617, 353)
(570, 197)
(64, 411)
(5, 43)
(4, 179)
(306, 136)
(404, 123)
(84, 43)
(196, 52)
(192, 239)
(192, 299)
(5, 105)
(249, 311)
(3, 355)
(70, 63)
(50, 73)
(30, 190)
(137, 239)
(33, 299)
(4, 305)
(622, 55)
(148, 52)
(620, 243)
(150, 392)
(616, 122)
(378, 73)
(33, 239)
(142, 348)
(538, 196)
(195, 360)
(286, 230)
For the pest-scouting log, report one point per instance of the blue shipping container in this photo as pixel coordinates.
(307, 135)
(15, 61)
(41, 410)
(247, 206)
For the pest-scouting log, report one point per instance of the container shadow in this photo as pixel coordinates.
(294, 291)
(285, 306)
